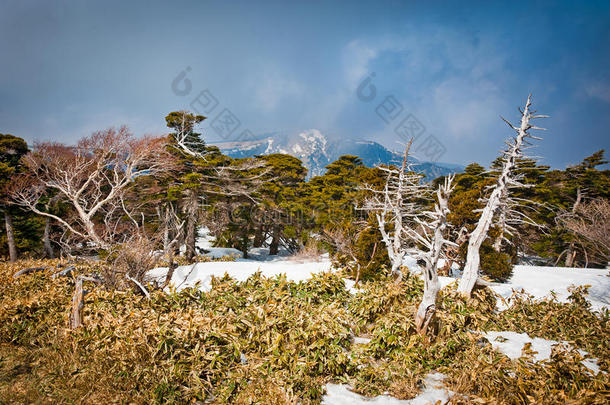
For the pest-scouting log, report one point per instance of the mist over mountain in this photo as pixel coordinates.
(316, 151)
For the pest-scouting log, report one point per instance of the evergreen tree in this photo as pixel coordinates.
(190, 149)
(562, 192)
(280, 209)
(22, 228)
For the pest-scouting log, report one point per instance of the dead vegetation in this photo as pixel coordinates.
(271, 341)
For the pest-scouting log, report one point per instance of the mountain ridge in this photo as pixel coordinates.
(316, 151)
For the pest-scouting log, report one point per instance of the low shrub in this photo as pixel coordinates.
(497, 265)
(273, 341)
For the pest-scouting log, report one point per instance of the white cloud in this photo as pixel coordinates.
(272, 89)
(356, 58)
(466, 108)
(269, 87)
(599, 91)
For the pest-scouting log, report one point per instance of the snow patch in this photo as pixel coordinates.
(269, 146)
(540, 281)
(296, 148)
(511, 344)
(361, 340)
(202, 273)
(349, 286)
(340, 394)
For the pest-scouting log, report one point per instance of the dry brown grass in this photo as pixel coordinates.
(270, 341)
(310, 252)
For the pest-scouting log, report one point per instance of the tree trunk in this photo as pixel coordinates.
(496, 200)
(396, 267)
(171, 269)
(275, 242)
(571, 254)
(164, 222)
(244, 247)
(90, 227)
(497, 245)
(191, 225)
(473, 258)
(76, 316)
(259, 238)
(10, 237)
(166, 241)
(427, 307)
(357, 275)
(48, 248)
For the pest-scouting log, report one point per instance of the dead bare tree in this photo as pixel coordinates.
(393, 206)
(500, 195)
(10, 237)
(78, 301)
(90, 177)
(430, 235)
(344, 242)
(590, 223)
(513, 211)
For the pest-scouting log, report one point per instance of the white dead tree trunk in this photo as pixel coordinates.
(10, 237)
(431, 235)
(499, 196)
(501, 223)
(392, 206)
(513, 211)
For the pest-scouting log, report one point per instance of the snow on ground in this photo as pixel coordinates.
(535, 280)
(358, 340)
(340, 394)
(202, 273)
(349, 286)
(540, 281)
(239, 268)
(511, 344)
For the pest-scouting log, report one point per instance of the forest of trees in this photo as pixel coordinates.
(113, 190)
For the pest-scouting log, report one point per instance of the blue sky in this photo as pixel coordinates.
(69, 68)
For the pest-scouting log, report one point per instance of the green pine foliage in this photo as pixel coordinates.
(27, 227)
(371, 253)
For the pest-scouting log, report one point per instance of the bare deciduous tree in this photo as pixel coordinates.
(590, 222)
(90, 177)
(499, 196)
(344, 242)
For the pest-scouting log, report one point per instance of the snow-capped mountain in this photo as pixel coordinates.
(316, 151)
(310, 146)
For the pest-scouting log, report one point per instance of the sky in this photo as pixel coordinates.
(350, 69)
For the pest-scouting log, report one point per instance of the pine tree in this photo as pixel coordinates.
(12, 148)
(191, 152)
